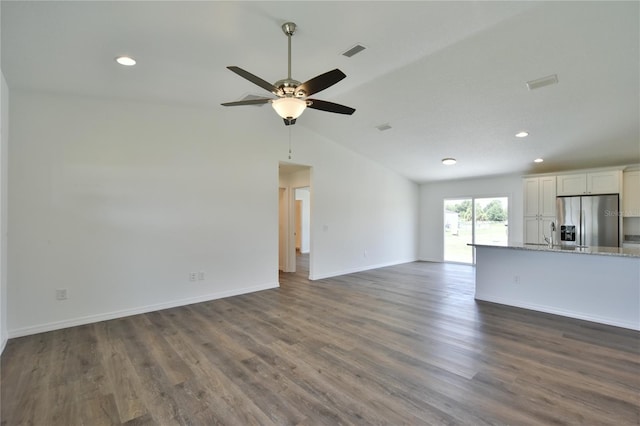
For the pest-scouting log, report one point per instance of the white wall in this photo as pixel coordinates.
(118, 201)
(299, 179)
(433, 194)
(362, 216)
(304, 196)
(4, 142)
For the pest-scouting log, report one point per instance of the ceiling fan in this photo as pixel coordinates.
(292, 96)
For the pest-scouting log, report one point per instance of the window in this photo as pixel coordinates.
(474, 220)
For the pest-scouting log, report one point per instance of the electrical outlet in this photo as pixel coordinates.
(516, 279)
(61, 294)
(201, 275)
(365, 253)
(193, 276)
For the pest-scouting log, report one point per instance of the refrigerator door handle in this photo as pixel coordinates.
(583, 233)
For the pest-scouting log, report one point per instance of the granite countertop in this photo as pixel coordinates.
(602, 251)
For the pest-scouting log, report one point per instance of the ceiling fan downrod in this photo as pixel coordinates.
(289, 28)
(288, 86)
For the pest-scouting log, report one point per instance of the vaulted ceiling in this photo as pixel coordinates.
(449, 78)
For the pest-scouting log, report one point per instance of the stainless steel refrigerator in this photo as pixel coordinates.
(588, 220)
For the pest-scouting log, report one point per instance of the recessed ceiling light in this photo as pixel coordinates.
(522, 134)
(448, 161)
(538, 160)
(126, 61)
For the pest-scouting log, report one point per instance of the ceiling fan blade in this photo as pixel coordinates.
(321, 82)
(248, 102)
(255, 79)
(330, 107)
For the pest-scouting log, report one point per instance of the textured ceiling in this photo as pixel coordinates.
(448, 77)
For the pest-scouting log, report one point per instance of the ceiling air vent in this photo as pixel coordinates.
(354, 50)
(383, 127)
(541, 82)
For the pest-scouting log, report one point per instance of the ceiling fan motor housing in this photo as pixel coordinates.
(288, 87)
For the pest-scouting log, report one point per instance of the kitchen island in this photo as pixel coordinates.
(599, 284)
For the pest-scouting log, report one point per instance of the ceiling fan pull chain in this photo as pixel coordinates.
(289, 142)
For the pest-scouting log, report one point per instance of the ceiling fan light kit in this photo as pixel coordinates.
(289, 108)
(292, 95)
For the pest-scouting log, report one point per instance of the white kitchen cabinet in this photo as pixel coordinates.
(572, 184)
(604, 182)
(539, 208)
(631, 194)
(540, 196)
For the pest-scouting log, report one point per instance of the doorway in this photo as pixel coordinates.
(482, 220)
(294, 218)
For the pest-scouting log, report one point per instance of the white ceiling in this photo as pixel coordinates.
(449, 77)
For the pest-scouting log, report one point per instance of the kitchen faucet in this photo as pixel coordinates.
(552, 230)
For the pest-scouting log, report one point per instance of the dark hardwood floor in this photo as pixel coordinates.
(400, 345)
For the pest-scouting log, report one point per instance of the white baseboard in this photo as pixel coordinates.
(359, 269)
(89, 319)
(426, 259)
(564, 313)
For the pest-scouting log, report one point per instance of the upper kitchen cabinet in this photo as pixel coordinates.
(540, 196)
(631, 194)
(603, 182)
